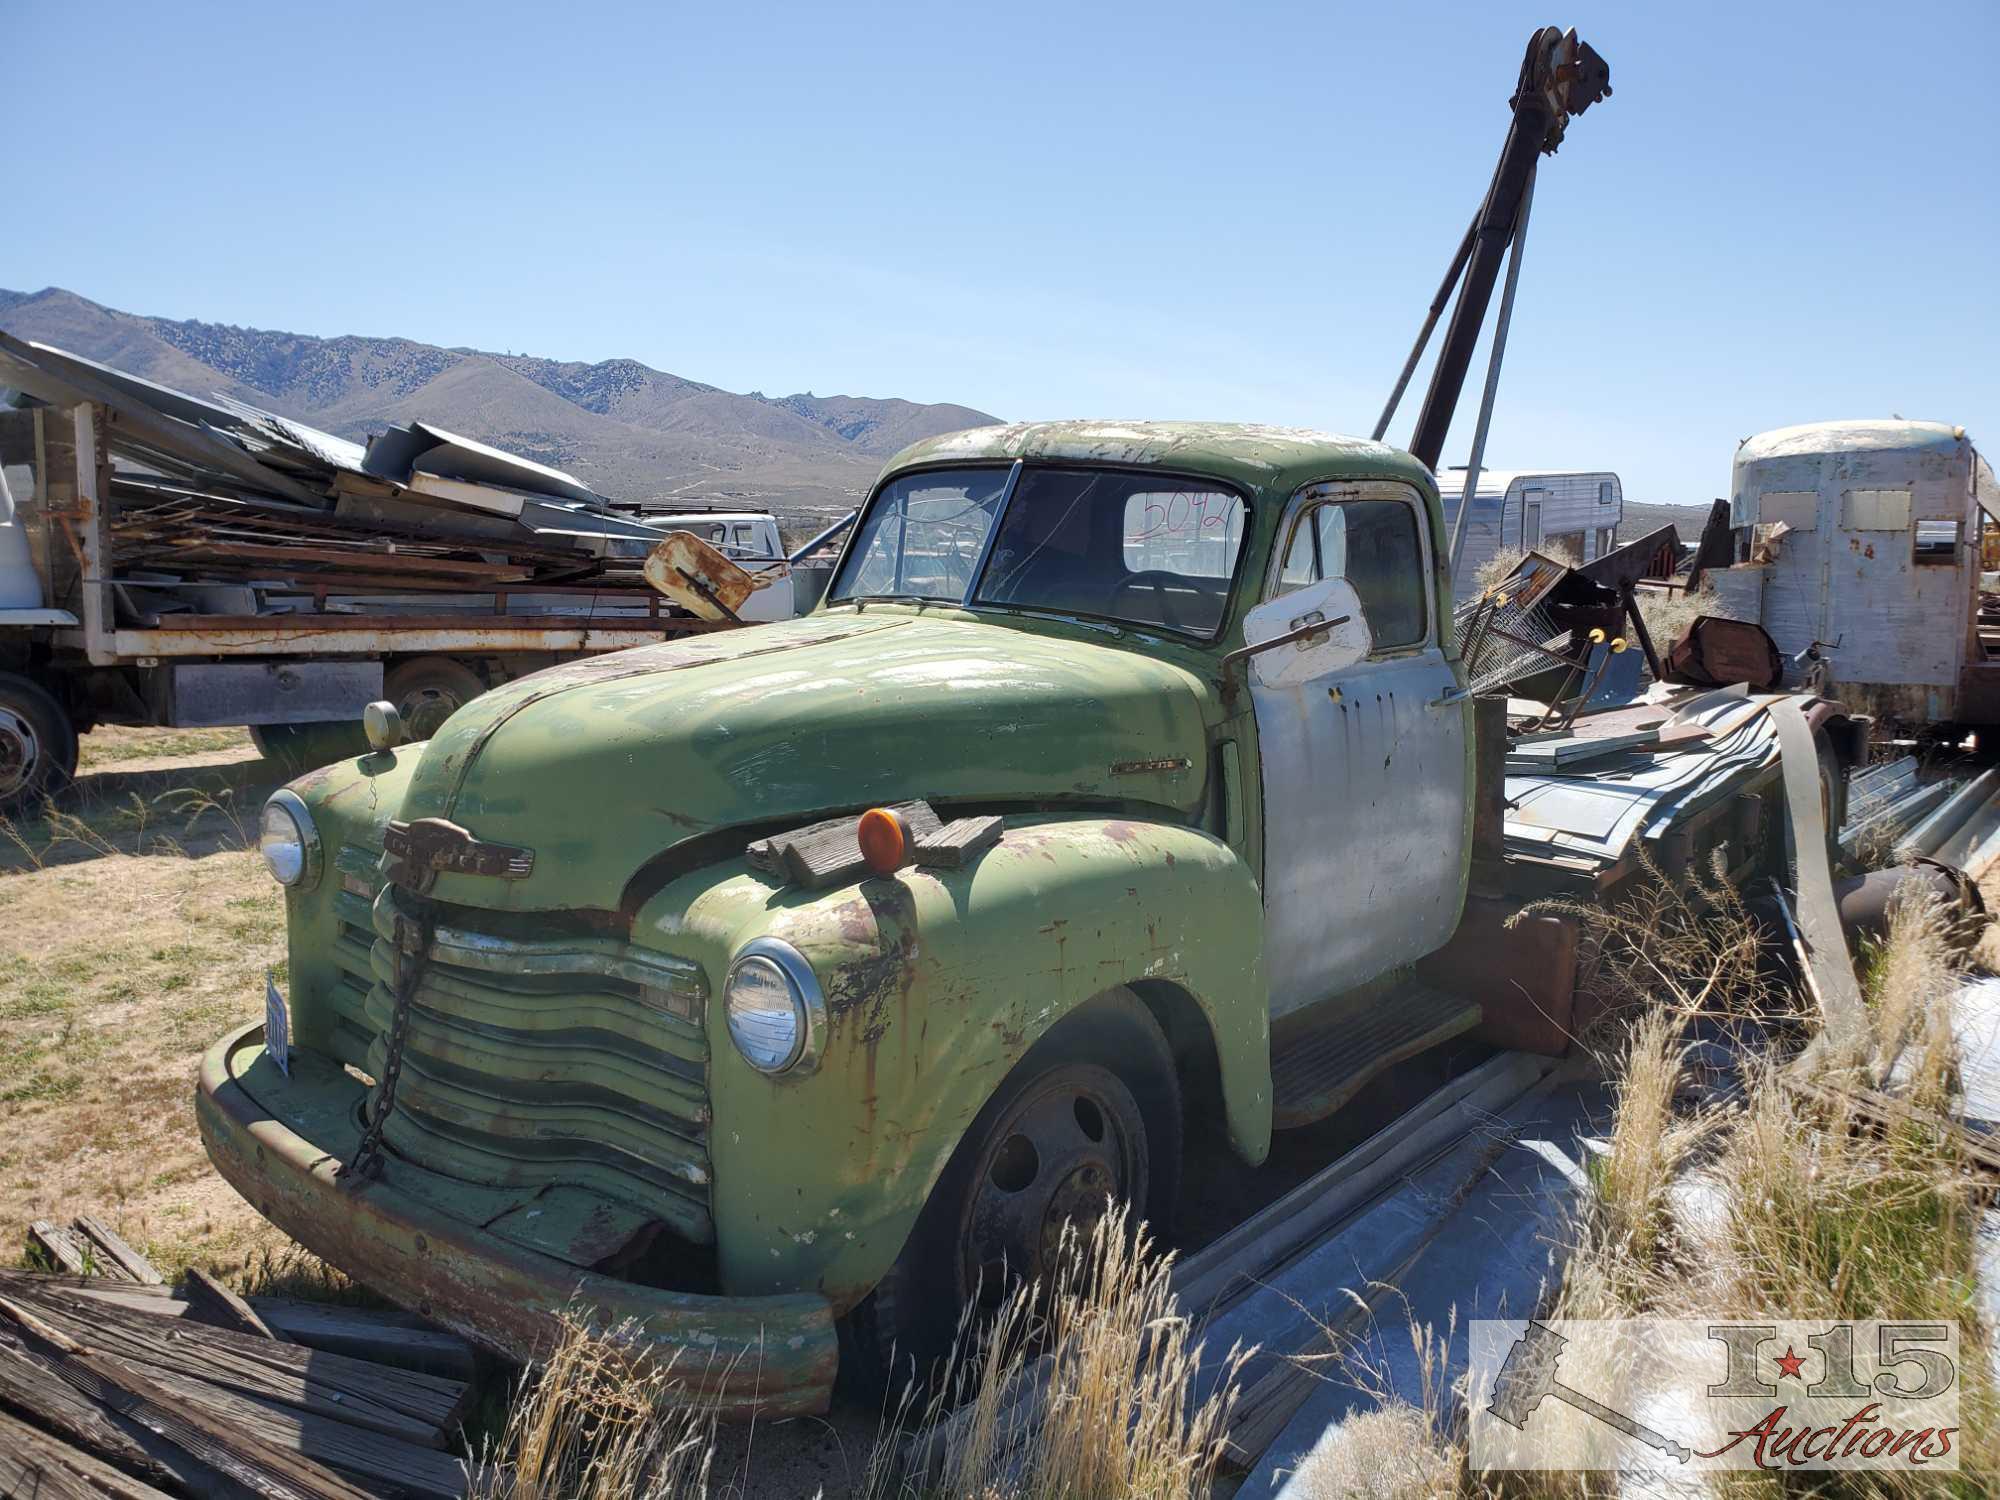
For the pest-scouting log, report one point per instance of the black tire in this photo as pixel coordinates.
(296, 748)
(1110, 1054)
(37, 744)
(427, 690)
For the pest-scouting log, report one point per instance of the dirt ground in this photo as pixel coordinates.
(138, 925)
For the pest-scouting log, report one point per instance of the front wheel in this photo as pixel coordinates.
(1091, 1116)
(37, 744)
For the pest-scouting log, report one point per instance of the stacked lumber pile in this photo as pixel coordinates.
(216, 507)
(114, 1385)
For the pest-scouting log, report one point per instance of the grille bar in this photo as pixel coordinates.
(549, 1060)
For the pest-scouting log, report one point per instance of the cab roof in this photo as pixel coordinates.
(1246, 454)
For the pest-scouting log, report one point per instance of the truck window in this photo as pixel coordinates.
(922, 537)
(1374, 545)
(1937, 542)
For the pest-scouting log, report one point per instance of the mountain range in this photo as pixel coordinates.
(627, 430)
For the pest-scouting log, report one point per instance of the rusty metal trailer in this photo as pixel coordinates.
(1869, 539)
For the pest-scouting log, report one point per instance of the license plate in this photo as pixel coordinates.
(277, 1026)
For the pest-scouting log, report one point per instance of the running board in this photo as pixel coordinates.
(1319, 1070)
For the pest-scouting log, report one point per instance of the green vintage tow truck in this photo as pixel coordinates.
(782, 990)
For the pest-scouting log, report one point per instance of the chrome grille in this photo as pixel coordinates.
(574, 1060)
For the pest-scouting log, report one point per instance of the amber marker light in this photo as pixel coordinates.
(883, 838)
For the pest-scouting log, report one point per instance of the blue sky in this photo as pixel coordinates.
(1787, 212)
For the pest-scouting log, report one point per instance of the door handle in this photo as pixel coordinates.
(1451, 697)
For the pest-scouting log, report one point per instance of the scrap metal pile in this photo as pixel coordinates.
(221, 508)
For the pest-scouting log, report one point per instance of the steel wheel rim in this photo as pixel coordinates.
(424, 710)
(1064, 1152)
(20, 753)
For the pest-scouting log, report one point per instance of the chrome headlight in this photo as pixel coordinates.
(777, 1016)
(288, 841)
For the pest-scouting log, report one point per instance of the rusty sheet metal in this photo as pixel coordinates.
(773, 1355)
(697, 577)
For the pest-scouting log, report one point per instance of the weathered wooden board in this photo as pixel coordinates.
(829, 853)
(273, 1472)
(36, 1466)
(379, 1336)
(112, 1245)
(959, 842)
(401, 1403)
(65, 1249)
(28, 1385)
(209, 1301)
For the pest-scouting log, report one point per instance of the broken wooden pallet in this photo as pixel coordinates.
(380, 1336)
(120, 1386)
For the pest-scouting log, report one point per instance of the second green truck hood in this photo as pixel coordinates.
(600, 765)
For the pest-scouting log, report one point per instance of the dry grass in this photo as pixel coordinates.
(1680, 949)
(1817, 1214)
(1756, 1202)
(595, 1423)
(1082, 1389)
(1669, 612)
(137, 929)
(1082, 1393)
(1498, 568)
(1391, 1453)
(127, 748)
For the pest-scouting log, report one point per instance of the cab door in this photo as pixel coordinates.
(1366, 770)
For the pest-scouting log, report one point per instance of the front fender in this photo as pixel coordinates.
(936, 983)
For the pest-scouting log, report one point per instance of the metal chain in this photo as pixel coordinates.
(413, 952)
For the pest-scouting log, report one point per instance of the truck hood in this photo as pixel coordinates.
(601, 765)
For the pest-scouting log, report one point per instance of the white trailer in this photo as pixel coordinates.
(1867, 536)
(1572, 515)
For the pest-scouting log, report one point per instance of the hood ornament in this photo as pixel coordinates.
(417, 852)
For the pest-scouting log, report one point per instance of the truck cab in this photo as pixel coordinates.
(785, 990)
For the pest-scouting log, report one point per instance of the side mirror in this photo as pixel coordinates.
(1284, 647)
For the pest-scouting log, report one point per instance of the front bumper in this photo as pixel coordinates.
(280, 1143)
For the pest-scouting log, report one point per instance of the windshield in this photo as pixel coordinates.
(922, 537)
(1146, 549)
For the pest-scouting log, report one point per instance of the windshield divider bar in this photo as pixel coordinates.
(992, 533)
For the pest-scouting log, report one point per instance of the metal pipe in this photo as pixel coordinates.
(1928, 836)
(1438, 305)
(1493, 361)
(832, 531)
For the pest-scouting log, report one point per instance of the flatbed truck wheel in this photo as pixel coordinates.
(1091, 1115)
(38, 746)
(427, 690)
